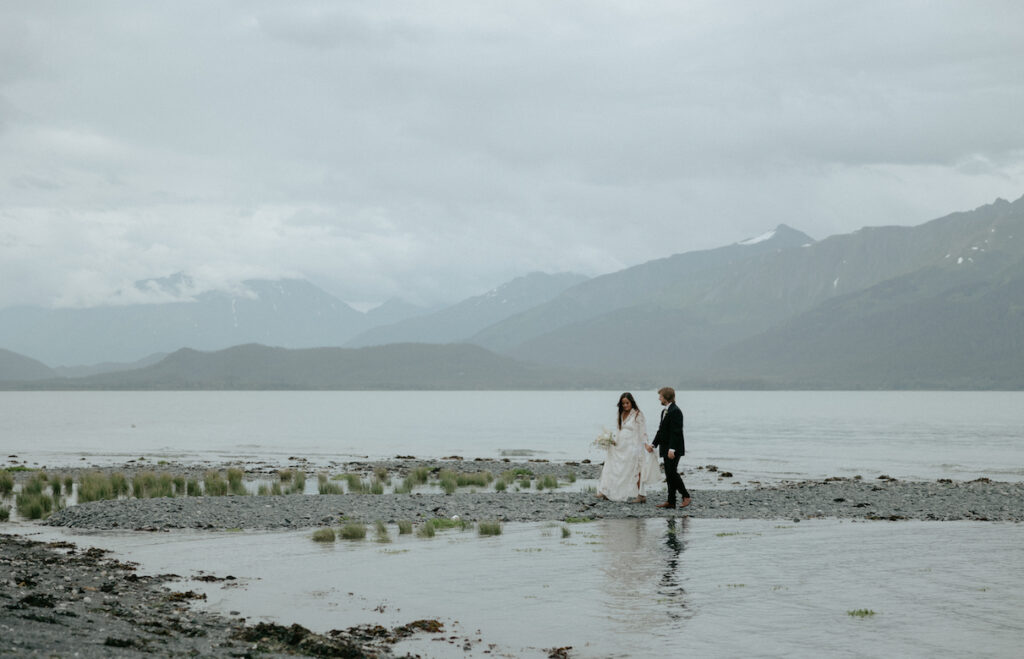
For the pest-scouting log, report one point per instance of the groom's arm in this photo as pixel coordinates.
(674, 432)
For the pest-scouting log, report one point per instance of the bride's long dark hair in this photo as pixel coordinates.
(628, 396)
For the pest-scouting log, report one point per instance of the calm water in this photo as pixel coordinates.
(631, 588)
(756, 435)
(613, 588)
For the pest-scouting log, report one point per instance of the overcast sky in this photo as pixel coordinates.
(433, 150)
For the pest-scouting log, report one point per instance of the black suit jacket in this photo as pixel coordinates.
(670, 432)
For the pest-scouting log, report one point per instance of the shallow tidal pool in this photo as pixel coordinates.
(622, 588)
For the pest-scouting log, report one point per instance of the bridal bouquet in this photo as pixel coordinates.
(605, 440)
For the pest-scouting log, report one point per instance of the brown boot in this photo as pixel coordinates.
(667, 504)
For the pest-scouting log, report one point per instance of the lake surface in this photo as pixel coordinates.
(759, 436)
(612, 588)
(628, 588)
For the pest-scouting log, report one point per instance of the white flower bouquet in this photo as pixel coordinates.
(605, 440)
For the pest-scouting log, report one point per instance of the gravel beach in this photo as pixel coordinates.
(853, 499)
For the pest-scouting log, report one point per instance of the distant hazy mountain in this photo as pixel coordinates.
(401, 366)
(394, 310)
(289, 313)
(456, 323)
(949, 326)
(680, 328)
(18, 368)
(107, 367)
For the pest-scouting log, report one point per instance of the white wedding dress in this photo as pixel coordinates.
(628, 462)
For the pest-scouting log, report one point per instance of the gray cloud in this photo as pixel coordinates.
(388, 149)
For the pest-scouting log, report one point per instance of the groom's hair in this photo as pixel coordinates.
(668, 393)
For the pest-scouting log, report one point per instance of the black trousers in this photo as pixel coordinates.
(675, 481)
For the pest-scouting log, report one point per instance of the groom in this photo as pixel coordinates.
(671, 446)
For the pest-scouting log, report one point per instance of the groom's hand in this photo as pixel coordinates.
(671, 454)
(649, 447)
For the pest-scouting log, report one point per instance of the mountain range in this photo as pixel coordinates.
(939, 305)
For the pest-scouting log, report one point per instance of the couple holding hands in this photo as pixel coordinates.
(631, 465)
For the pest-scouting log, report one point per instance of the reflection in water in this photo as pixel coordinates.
(644, 575)
(671, 585)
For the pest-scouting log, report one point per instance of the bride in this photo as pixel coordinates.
(628, 469)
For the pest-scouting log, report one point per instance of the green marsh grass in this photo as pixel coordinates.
(566, 532)
(119, 484)
(478, 479)
(427, 529)
(35, 485)
(325, 486)
(489, 528)
(405, 487)
(284, 475)
(193, 489)
(404, 527)
(324, 535)
(524, 483)
(56, 484)
(355, 483)
(376, 486)
(449, 481)
(95, 486)
(572, 476)
(352, 531)
(235, 484)
(298, 485)
(420, 475)
(5, 513)
(577, 520)
(69, 483)
(180, 486)
(6, 483)
(500, 486)
(381, 473)
(547, 482)
(214, 484)
(860, 613)
(150, 485)
(34, 505)
(382, 532)
(443, 524)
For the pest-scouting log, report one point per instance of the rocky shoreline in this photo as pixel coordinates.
(59, 601)
(835, 498)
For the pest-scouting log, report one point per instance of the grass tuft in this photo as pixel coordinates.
(6, 483)
(324, 535)
(420, 475)
(427, 529)
(547, 482)
(860, 613)
(352, 531)
(235, 484)
(382, 532)
(214, 484)
(566, 532)
(5, 513)
(443, 524)
(404, 527)
(489, 528)
(95, 486)
(34, 505)
(325, 486)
